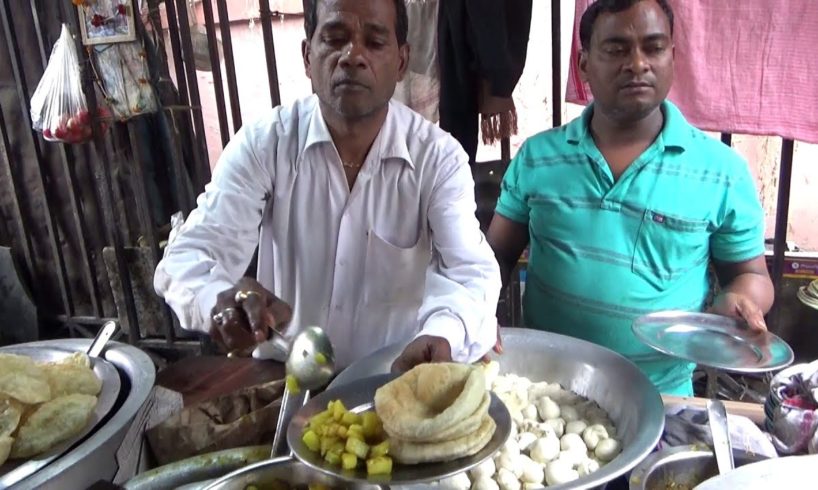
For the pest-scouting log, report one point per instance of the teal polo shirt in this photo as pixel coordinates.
(603, 252)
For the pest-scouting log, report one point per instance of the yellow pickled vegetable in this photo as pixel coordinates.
(327, 443)
(382, 465)
(357, 431)
(349, 461)
(338, 410)
(337, 447)
(371, 425)
(292, 384)
(357, 447)
(312, 441)
(348, 439)
(331, 429)
(351, 418)
(333, 457)
(320, 359)
(381, 449)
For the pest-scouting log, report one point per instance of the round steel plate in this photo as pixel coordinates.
(15, 471)
(587, 369)
(713, 340)
(358, 397)
(682, 467)
(786, 472)
(809, 295)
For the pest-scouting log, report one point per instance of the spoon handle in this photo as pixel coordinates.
(290, 404)
(103, 336)
(721, 435)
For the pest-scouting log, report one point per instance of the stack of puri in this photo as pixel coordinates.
(43, 404)
(436, 413)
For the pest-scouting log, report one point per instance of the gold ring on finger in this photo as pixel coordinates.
(242, 296)
(229, 313)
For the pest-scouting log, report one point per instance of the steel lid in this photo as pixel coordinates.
(713, 340)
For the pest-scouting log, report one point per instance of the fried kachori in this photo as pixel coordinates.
(436, 412)
(429, 399)
(53, 422)
(44, 404)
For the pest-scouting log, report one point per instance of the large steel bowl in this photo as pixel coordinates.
(198, 471)
(682, 467)
(594, 372)
(95, 458)
(280, 470)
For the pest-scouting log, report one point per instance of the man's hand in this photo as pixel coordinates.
(244, 315)
(423, 349)
(498, 346)
(740, 307)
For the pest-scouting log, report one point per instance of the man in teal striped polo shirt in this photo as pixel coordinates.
(625, 207)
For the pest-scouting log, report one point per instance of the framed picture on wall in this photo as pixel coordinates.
(106, 21)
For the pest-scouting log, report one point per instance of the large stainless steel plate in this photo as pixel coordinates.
(200, 470)
(713, 340)
(682, 467)
(809, 294)
(791, 472)
(99, 456)
(358, 397)
(594, 372)
(282, 472)
(13, 471)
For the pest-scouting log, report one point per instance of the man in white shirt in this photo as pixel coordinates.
(362, 210)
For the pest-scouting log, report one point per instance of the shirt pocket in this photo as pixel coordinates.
(668, 247)
(394, 275)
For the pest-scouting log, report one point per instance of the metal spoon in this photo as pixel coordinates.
(103, 336)
(310, 360)
(722, 448)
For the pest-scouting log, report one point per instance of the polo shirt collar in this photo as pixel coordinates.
(675, 132)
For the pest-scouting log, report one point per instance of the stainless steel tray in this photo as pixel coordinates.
(594, 372)
(682, 467)
(272, 473)
(791, 472)
(198, 470)
(358, 397)
(13, 472)
(713, 340)
(97, 457)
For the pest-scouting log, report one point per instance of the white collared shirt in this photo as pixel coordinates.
(398, 256)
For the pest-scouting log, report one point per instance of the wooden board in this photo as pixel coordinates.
(205, 377)
(753, 411)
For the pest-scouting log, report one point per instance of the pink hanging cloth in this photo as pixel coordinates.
(743, 67)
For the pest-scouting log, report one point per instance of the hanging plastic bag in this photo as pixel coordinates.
(794, 423)
(58, 107)
(124, 77)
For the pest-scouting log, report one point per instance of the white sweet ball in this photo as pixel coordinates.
(547, 408)
(573, 442)
(459, 481)
(506, 480)
(575, 427)
(545, 449)
(486, 469)
(485, 483)
(607, 449)
(569, 413)
(558, 472)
